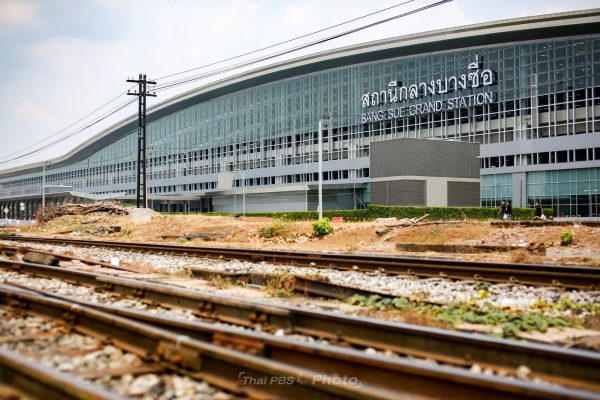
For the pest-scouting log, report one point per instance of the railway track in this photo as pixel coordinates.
(576, 368)
(22, 378)
(570, 277)
(162, 352)
(298, 283)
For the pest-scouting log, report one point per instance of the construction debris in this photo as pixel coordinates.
(208, 236)
(408, 222)
(101, 230)
(40, 258)
(45, 214)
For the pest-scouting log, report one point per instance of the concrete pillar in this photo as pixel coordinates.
(519, 189)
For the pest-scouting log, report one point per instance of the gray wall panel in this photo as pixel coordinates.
(424, 157)
(463, 194)
(406, 193)
(379, 193)
(399, 193)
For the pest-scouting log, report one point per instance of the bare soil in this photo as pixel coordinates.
(361, 237)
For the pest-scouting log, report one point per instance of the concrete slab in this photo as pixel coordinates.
(141, 215)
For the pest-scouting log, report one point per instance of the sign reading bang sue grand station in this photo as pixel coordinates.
(396, 93)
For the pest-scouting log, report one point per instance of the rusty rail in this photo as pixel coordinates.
(29, 379)
(572, 367)
(369, 376)
(572, 277)
(298, 283)
(216, 365)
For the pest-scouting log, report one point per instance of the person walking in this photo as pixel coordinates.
(508, 210)
(538, 210)
(503, 209)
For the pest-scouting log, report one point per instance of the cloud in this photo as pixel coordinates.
(27, 110)
(17, 14)
(84, 51)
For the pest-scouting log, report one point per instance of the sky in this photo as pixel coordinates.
(62, 59)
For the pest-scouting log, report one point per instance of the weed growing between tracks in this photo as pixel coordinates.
(513, 322)
(281, 285)
(221, 282)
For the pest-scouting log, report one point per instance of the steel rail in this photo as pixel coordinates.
(13, 250)
(572, 277)
(571, 367)
(217, 365)
(398, 377)
(33, 380)
(297, 283)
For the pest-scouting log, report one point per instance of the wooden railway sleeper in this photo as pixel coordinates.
(245, 345)
(70, 319)
(258, 317)
(109, 286)
(17, 307)
(206, 310)
(17, 266)
(174, 353)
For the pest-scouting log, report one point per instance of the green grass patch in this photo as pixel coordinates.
(512, 322)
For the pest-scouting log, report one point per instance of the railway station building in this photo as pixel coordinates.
(473, 115)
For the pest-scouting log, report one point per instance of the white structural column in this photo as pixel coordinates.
(243, 193)
(323, 124)
(437, 191)
(46, 163)
(44, 185)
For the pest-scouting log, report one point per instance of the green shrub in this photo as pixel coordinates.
(322, 227)
(372, 212)
(566, 238)
(275, 229)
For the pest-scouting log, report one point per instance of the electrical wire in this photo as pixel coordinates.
(71, 134)
(193, 78)
(69, 126)
(286, 41)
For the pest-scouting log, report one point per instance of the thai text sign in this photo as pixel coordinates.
(396, 93)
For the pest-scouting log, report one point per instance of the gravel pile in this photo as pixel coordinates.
(441, 291)
(162, 387)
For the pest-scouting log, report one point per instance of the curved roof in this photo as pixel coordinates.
(504, 31)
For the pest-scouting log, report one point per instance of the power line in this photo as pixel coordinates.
(68, 136)
(69, 126)
(222, 70)
(286, 41)
(193, 78)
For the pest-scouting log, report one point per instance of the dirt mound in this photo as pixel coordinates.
(362, 237)
(45, 214)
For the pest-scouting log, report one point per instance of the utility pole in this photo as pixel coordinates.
(141, 199)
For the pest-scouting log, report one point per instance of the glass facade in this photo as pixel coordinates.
(495, 188)
(569, 192)
(543, 89)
